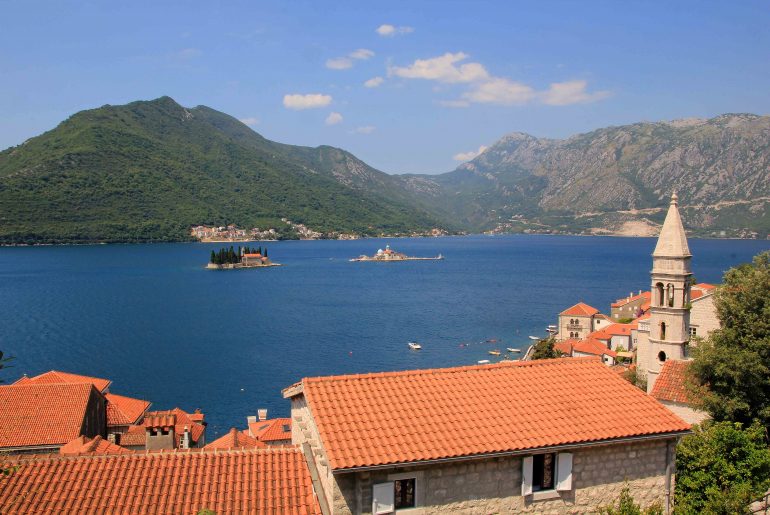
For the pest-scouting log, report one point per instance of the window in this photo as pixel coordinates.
(404, 493)
(659, 289)
(662, 330)
(546, 472)
(399, 493)
(670, 295)
(661, 356)
(693, 331)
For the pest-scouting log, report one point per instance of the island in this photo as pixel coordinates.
(389, 255)
(244, 257)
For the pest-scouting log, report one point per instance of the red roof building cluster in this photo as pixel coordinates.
(423, 415)
(274, 480)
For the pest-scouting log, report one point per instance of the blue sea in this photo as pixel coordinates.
(162, 328)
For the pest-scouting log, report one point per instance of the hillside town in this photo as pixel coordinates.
(293, 230)
(392, 442)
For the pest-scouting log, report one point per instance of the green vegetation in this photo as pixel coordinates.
(731, 368)
(721, 468)
(148, 171)
(545, 349)
(627, 506)
(230, 256)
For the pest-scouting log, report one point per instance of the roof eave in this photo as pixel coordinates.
(520, 452)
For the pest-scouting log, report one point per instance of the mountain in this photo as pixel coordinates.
(616, 180)
(149, 170)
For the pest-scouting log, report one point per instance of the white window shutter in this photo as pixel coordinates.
(383, 498)
(564, 471)
(526, 475)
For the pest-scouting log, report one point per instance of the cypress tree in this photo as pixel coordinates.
(213, 257)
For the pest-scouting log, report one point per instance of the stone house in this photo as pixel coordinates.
(511, 437)
(577, 321)
(671, 390)
(632, 306)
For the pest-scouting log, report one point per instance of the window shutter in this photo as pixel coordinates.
(383, 498)
(564, 471)
(526, 475)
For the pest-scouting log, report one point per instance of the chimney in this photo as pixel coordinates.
(251, 419)
(262, 413)
(185, 444)
(640, 292)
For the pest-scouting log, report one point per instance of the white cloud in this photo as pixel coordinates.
(366, 129)
(388, 30)
(443, 69)
(500, 91)
(343, 63)
(309, 101)
(467, 156)
(374, 82)
(339, 63)
(454, 103)
(333, 118)
(362, 53)
(250, 121)
(571, 92)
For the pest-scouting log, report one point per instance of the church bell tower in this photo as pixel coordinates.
(670, 302)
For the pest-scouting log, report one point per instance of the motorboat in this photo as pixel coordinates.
(483, 362)
(511, 349)
(415, 346)
(494, 352)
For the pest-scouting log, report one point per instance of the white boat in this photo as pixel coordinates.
(534, 338)
(483, 361)
(415, 346)
(511, 349)
(494, 352)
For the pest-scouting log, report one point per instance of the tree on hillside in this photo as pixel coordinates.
(545, 349)
(721, 468)
(731, 368)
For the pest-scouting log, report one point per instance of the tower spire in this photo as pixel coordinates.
(672, 241)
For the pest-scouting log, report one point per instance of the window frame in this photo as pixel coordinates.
(419, 493)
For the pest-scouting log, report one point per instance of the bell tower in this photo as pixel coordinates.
(670, 302)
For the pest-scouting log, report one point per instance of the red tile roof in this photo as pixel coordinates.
(622, 302)
(580, 309)
(42, 414)
(272, 480)
(565, 346)
(593, 347)
(671, 383)
(56, 376)
(235, 439)
(705, 286)
(411, 416)
(619, 329)
(123, 411)
(96, 445)
(135, 436)
(271, 430)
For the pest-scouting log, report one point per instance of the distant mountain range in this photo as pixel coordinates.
(148, 171)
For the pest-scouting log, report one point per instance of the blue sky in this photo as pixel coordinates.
(444, 78)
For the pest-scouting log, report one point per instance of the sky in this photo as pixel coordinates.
(409, 87)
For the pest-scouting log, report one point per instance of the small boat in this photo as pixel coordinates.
(492, 340)
(511, 349)
(415, 346)
(494, 352)
(483, 362)
(534, 338)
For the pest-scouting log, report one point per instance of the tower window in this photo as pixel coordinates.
(659, 289)
(670, 295)
(661, 356)
(662, 330)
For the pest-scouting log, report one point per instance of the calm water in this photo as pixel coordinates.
(150, 318)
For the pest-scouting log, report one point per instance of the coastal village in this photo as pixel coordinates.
(414, 441)
(232, 233)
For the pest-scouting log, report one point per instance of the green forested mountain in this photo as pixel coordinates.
(147, 171)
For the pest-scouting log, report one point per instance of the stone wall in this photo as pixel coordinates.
(686, 413)
(493, 485)
(703, 316)
(304, 430)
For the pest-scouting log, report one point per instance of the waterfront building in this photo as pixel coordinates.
(577, 321)
(536, 436)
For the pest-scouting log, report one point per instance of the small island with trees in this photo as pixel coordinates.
(244, 257)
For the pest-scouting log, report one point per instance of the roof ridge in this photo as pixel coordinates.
(272, 449)
(448, 370)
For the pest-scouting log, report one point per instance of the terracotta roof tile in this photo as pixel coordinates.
(57, 376)
(622, 302)
(565, 346)
(135, 436)
(705, 286)
(274, 480)
(123, 411)
(671, 383)
(580, 309)
(235, 439)
(593, 347)
(96, 445)
(271, 430)
(402, 417)
(42, 414)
